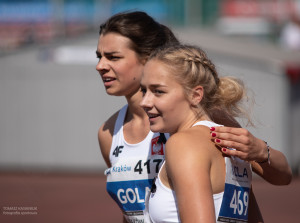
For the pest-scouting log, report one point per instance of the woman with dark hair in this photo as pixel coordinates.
(131, 151)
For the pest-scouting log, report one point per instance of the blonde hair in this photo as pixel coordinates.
(191, 67)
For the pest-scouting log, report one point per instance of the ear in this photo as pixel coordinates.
(143, 60)
(197, 95)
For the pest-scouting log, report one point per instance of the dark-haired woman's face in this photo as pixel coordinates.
(119, 66)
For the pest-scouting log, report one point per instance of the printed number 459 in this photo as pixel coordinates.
(240, 205)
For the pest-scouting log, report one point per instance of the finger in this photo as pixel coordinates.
(231, 144)
(236, 153)
(241, 139)
(231, 130)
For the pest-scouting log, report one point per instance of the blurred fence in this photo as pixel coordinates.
(42, 21)
(24, 22)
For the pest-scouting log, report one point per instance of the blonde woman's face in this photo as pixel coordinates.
(118, 66)
(163, 99)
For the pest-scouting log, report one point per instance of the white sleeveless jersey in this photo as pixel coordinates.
(133, 168)
(230, 205)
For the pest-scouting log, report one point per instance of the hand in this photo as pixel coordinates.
(247, 147)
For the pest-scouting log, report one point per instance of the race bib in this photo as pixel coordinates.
(129, 183)
(234, 207)
(130, 196)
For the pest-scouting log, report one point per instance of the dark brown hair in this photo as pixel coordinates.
(144, 32)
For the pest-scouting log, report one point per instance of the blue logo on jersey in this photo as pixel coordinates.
(121, 168)
(129, 195)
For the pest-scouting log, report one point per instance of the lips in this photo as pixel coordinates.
(108, 81)
(152, 116)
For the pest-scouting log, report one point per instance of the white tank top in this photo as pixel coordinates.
(230, 205)
(133, 168)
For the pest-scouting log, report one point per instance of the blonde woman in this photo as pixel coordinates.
(196, 183)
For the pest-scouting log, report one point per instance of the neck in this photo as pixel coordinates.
(191, 121)
(135, 111)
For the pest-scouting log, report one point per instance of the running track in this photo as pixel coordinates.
(81, 198)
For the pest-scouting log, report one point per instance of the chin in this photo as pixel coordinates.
(109, 91)
(157, 129)
(112, 93)
(154, 128)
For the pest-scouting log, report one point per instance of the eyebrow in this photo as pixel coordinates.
(154, 85)
(106, 53)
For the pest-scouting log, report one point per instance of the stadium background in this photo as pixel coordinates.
(52, 101)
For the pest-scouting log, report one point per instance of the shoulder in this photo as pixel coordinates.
(105, 134)
(190, 139)
(190, 157)
(189, 146)
(107, 128)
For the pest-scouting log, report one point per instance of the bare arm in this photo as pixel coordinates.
(253, 149)
(105, 135)
(188, 168)
(250, 148)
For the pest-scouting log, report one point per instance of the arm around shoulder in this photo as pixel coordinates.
(250, 148)
(274, 168)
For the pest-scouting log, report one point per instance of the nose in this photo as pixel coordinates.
(102, 66)
(147, 101)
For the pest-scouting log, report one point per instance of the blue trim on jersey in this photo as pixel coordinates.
(129, 195)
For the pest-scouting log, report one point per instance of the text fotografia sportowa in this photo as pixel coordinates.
(17, 210)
